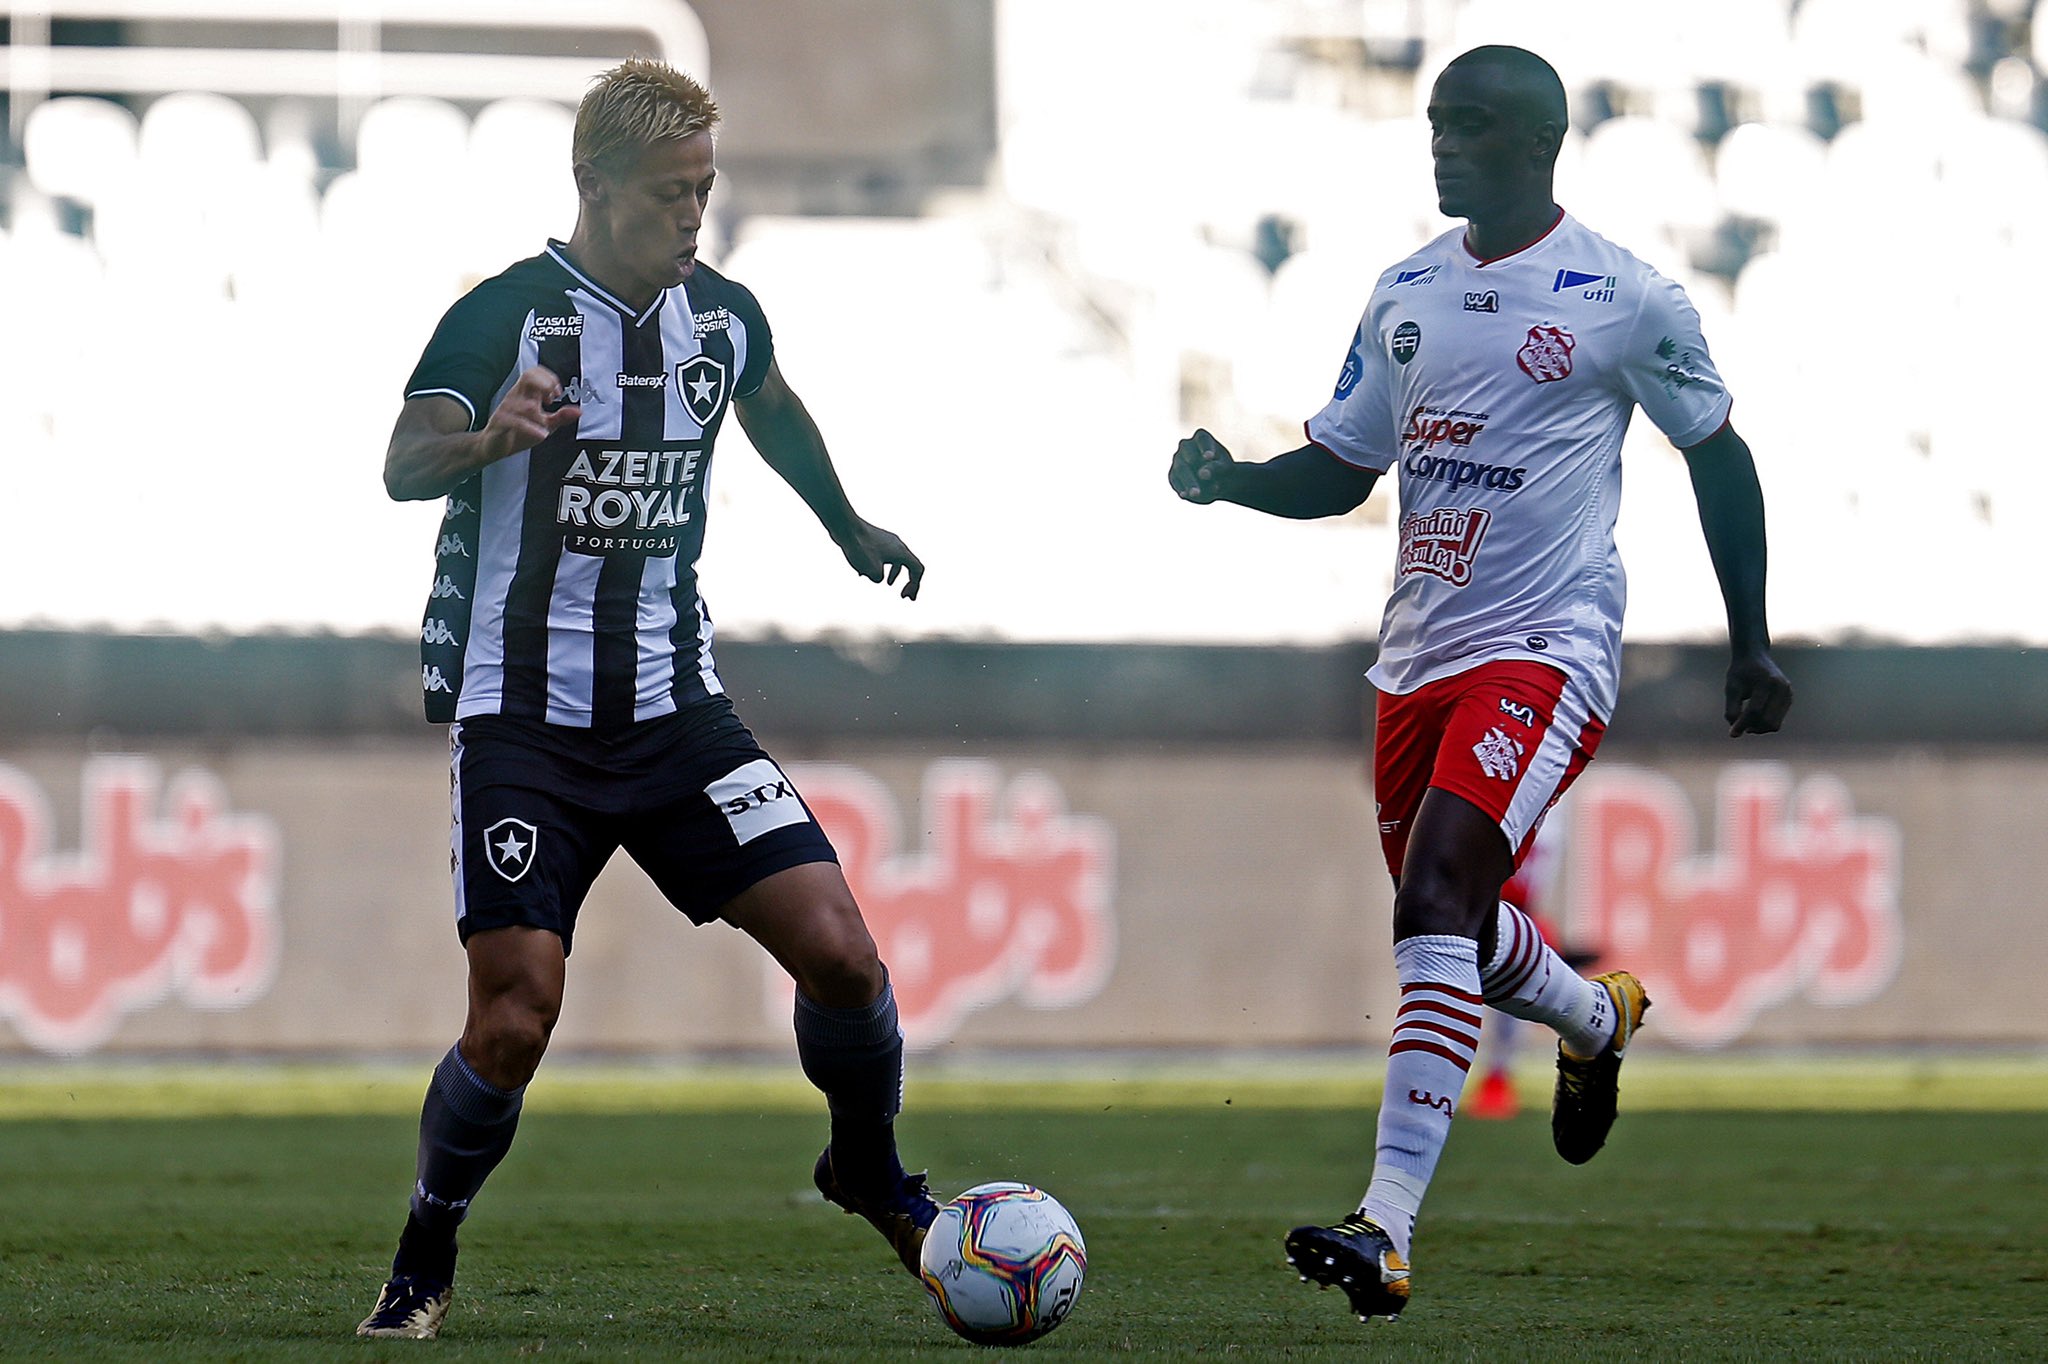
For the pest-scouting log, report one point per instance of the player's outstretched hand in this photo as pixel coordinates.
(880, 555)
(530, 411)
(1758, 696)
(1197, 468)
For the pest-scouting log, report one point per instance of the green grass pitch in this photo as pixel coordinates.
(143, 1218)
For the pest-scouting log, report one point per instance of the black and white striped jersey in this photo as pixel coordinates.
(565, 581)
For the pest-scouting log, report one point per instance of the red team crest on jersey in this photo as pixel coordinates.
(1009, 897)
(1547, 355)
(147, 907)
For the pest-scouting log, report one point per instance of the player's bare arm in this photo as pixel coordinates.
(781, 428)
(1731, 503)
(433, 450)
(1302, 484)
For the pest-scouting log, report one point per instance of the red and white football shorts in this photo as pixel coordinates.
(1509, 736)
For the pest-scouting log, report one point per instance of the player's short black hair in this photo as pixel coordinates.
(1530, 83)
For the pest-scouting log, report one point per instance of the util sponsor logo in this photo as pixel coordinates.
(1442, 1103)
(1442, 543)
(1009, 898)
(150, 906)
(1798, 899)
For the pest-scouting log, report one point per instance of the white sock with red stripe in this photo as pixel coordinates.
(1528, 980)
(1436, 1031)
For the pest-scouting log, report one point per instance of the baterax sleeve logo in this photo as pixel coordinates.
(150, 906)
(511, 846)
(1009, 898)
(1799, 898)
(1546, 356)
(702, 381)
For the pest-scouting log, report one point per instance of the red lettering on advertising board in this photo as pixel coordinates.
(1008, 898)
(1799, 897)
(148, 906)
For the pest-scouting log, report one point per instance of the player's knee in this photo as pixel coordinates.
(1435, 905)
(841, 968)
(505, 1042)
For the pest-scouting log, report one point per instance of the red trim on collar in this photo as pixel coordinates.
(1480, 263)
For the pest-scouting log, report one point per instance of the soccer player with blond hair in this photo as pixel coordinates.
(566, 412)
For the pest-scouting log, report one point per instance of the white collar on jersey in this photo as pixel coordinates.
(560, 251)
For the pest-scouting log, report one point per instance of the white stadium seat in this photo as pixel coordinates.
(78, 147)
(1767, 171)
(197, 135)
(413, 138)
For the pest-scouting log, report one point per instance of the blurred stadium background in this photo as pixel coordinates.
(1012, 249)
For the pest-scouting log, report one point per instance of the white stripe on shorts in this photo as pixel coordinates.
(1545, 772)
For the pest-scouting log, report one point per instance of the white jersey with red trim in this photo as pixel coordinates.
(1503, 389)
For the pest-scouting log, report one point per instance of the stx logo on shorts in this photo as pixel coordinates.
(756, 798)
(1546, 356)
(1500, 756)
(1442, 543)
(1008, 898)
(1517, 711)
(1799, 897)
(511, 846)
(147, 907)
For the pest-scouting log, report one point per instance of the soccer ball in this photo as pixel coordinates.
(1003, 1263)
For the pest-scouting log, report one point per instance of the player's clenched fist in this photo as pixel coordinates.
(530, 410)
(1199, 462)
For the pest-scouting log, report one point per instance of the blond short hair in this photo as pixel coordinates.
(634, 105)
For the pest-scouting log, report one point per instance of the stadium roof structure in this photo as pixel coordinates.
(377, 49)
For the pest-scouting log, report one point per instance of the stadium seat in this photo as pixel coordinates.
(78, 147)
(197, 136)
(1766, 171)
(520, 188)
(413, 139)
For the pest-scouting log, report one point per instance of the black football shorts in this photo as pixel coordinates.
(539, 809)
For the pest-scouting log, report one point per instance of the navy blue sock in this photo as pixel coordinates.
(466, 1127)
(856, 1057)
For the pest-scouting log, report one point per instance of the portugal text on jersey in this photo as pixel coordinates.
(565, 587)
(1502, 390)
